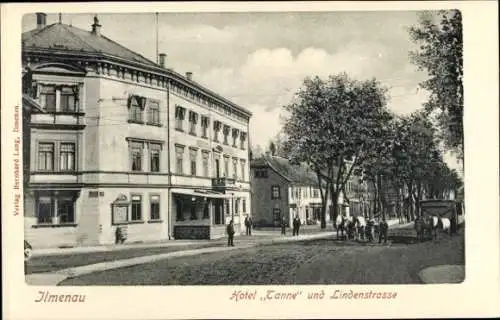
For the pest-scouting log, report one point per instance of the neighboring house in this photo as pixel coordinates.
(282, 190)
(126, 143)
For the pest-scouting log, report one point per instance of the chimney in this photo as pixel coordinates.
(96, 27)
(162, 59)
(41, 20)
(189, 76)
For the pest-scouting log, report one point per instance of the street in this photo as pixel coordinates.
(323, 261)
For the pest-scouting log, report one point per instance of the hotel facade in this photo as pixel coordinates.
(125, 145)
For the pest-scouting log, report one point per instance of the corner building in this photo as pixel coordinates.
(124, 143)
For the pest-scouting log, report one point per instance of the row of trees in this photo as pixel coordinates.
(342, 128)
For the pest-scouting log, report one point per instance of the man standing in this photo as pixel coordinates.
(383, 228)
(283, 226)
(296, 226)
(230, 233)
(247, 223)
(250, 225)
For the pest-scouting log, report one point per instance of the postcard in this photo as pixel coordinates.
(250, 160)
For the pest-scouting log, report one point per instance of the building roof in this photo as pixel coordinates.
(63, 37)
(69, 38)
(296, 174)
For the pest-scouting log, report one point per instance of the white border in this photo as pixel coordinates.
(477, 296)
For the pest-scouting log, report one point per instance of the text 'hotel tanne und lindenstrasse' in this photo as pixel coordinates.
(17, 160)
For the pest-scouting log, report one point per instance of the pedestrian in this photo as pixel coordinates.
(296, 223)
(383, 229)
(247, 222)
(250, 225)
(230, 233)
(283, 226)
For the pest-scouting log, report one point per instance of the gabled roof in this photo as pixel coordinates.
(296, 174)
(69, 38)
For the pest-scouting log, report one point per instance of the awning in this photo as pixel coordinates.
(202, 193)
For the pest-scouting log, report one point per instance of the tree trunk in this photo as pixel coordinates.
(324, 207)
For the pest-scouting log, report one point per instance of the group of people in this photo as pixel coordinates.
(295, 226)
(230, 230)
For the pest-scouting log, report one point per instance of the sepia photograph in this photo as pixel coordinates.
(243, 148)
(262, 156)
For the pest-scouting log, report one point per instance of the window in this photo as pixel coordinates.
(68, 99)
(48, 98)
(316, 193)
(192, 209)
(235, 168)
(192, 156)
(193, 120)
(243, 137)
(180, 112)
(45, 210)
(217, 125)
(277, 214)
(226, 167)
(179, 210)
(136, 155)
(66, 210)
(235, 137)
(154, 207)
(236, 206)
(136, 106)
(154, 112)
(243, 169)
(154, 155)
(206, 212)
(67, 156)
(205, 156)
(204, 127)
(260, 173)
(53, 209)
(227, 206)
(136, 204)
(275, 192)
(46, 156)
(179, 157)
(226, 134)
(244, 205)
(292, 193)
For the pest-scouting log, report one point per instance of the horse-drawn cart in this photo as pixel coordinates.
(446, 215)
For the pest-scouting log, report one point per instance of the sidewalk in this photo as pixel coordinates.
(53, 278)
(443, 274)
(394, 223)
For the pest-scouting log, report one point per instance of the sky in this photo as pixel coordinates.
(259, 60)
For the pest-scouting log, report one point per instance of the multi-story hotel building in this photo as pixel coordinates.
(125, 143)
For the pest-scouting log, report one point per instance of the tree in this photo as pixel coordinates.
(333, 126)
(440, 54)
(272, 148)
(416, 152)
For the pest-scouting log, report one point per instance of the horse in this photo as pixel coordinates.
(370, 230)
(350, 225)
(444, 224)
(426, 225)
(340, 226)
(360, 227)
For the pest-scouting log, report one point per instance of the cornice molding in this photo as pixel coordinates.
(102, 63)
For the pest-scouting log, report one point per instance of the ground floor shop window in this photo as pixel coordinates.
(155, 207)
(55, 208)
